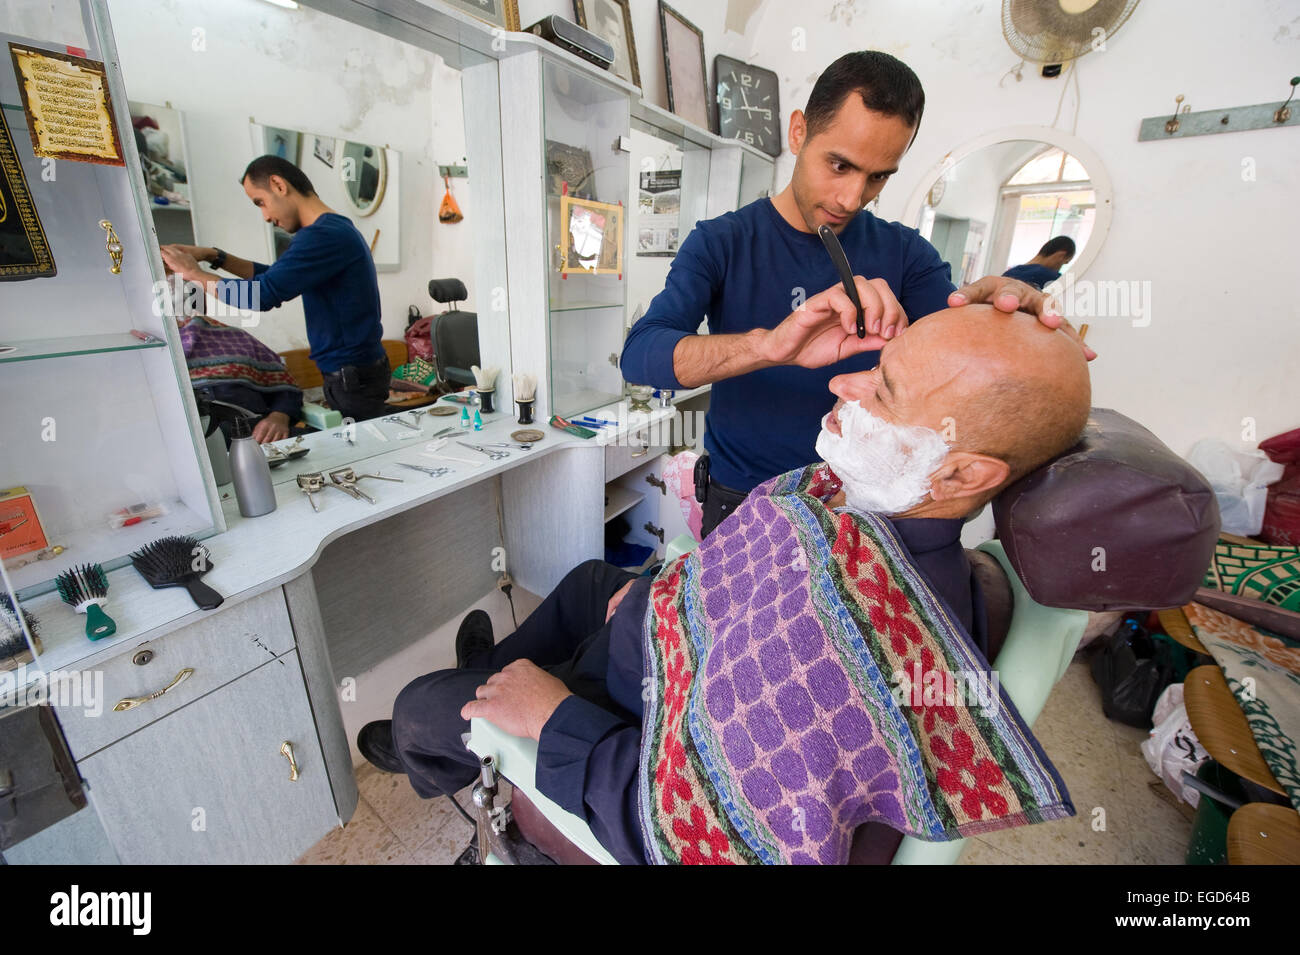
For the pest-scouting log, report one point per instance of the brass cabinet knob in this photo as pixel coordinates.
(286, 750)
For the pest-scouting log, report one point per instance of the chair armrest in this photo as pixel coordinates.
(1038, 648)
(516, 760)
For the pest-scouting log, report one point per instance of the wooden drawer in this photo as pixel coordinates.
(635, 451)
(219, 648)
(210, 784)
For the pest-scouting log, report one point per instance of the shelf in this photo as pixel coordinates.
(584, 306)
(621, 499)
(32, 349)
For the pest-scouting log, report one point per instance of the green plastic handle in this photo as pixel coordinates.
(98, 623)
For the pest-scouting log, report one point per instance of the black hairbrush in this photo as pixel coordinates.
(178, 562)
(13, 647)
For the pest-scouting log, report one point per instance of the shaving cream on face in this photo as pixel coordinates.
(885, 468)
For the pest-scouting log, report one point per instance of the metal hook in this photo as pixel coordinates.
(1283, 113)
(1171, 126)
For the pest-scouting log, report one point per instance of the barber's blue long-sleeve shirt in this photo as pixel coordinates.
(750, 269)
(329, 264)
(1036, 275)
(588, 758)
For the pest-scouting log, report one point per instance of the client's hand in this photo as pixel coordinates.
(273, 427)
(519, 699)
(617, 599)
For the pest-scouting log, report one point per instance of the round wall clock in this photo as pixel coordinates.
(749, 106)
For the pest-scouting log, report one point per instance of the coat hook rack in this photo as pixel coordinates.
(1208, 122)
(455, 170)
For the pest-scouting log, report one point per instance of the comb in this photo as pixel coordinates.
(178, 562)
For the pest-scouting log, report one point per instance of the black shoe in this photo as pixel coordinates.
(473, 637)
(376, 744)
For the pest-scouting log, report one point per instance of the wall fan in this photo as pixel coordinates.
(1054, 31)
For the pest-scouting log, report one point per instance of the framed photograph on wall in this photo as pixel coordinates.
(683, 42)
(592, 240)
(499, 13)
(611, 20)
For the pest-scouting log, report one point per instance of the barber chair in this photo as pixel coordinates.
(1117, 523)
(454, 333)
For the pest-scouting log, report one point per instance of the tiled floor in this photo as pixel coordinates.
(1121, 817)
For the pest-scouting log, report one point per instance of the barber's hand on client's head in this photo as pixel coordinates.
(519, 699)
(1012, 295)
(966, 402)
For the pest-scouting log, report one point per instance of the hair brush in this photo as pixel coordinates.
(178, 562)
(85, 589)
(13, 648)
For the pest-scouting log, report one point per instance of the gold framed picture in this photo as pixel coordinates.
(592, 238)
(499, 13)
(69, 108)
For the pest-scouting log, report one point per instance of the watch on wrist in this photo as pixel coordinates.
(219, 260)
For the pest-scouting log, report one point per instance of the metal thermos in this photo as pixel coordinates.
(250, 471)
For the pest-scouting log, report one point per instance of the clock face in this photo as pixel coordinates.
(748, 104)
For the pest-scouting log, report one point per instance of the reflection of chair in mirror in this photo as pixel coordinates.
(454, 334)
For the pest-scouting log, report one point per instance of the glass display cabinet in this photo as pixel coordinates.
(102, 451)
(587, 148)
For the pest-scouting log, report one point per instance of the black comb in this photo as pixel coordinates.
(846, 274)
(178, 562)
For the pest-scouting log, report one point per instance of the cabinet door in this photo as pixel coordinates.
(208, 783)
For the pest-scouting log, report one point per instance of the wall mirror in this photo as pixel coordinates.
(368, 107)
(992, 203)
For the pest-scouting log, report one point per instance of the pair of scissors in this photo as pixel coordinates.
(494, 455)
(432, 472)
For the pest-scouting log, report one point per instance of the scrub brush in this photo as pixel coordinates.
(178, 562)
(13, 648)
(85, 588)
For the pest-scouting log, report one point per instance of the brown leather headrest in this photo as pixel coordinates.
(1118, 522)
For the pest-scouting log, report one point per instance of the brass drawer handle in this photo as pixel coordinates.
(286, 750)
(131, 702)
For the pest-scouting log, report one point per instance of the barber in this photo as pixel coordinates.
(328, 263)
(780, 324)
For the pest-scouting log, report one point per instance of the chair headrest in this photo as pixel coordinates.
(447, 290)
(1118, 522)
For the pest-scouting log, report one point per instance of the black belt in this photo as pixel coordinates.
(374, 364)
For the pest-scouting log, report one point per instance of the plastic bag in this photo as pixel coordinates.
(1172, 747)
(1240, 481)
(1132, 669)
(449, 211)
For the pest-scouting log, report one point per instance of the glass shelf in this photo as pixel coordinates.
(582, 306)
(32, 349)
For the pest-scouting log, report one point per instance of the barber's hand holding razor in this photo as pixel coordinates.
(519, 699)
(1012, 295)
(824, 329)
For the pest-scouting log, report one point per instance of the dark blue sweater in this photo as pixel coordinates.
(1035, 275)
(750, 269)
(329, 264)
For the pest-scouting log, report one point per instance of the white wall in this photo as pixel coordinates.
(308, 71)
(1219, 250)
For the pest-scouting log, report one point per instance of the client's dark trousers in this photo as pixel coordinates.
(427, 725)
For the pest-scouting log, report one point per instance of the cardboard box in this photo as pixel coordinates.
(21, 531)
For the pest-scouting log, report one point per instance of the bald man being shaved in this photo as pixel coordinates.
(833, 555)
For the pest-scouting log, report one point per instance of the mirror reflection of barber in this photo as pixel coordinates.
(328, 263)
(1044, 268)
(780, 324)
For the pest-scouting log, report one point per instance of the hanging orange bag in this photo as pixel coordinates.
(449, 211)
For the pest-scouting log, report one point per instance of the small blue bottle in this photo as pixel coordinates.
(464, 417)
(478, 421)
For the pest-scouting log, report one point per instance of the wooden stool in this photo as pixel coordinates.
(1221, 726)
